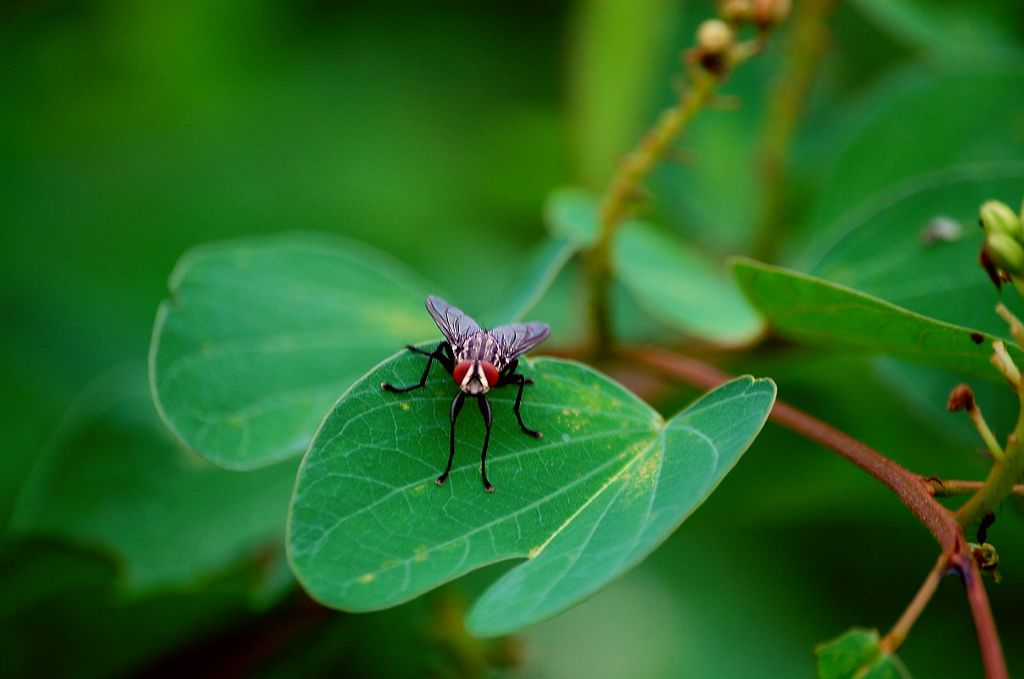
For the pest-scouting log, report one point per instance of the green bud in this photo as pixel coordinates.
(997, 217)
(1006, 252)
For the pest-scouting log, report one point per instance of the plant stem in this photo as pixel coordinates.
(911, 488)
(785, 104)
(898, 634)
(624, 188)
(634, 169)
(991, 443)
(1002, 478)
(984, 624)
(951, 487)
(914, 491)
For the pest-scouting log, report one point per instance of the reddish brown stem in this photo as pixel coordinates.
(911, 488)
(915, 491)
(981, 611)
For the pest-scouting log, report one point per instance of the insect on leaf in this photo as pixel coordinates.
(609, 481)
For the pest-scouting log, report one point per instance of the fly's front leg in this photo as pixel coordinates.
(485, 410)
(456, 408)
(440, 354)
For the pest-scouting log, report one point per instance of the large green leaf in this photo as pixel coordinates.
(262, 334)
(882, 248)
(609, 481)
(806, 307)
(115, 481)
(919, 121)
(946, 31)
(857, 655)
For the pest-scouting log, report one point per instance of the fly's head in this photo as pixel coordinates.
(475, 377)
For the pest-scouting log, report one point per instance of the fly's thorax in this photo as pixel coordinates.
(475, 377)
(480, 346)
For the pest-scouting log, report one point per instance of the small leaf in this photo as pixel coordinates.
(544, 266)
(261, 335)
(609, 481)
(572, 213)
(857, 655)
(810, 308)
(682, 287)
(115, 481)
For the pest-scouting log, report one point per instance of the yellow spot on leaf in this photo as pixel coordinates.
(366, 579)
(404, 405)
(648, 471)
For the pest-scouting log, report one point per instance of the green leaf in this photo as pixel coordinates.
(857, 655)
(571, 213)
(609, 481)
(919, 122)
(881, 248)
(682, 287)
(805, 307)
(262, 334)
(673, 282)
(548, 260)
(114, 481)
(946, 31)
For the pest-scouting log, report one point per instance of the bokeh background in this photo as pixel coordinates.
(131, 131)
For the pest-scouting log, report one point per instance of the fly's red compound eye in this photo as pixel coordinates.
(460, 371)
(490, 372)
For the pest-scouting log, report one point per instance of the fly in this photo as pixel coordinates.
(478, 360)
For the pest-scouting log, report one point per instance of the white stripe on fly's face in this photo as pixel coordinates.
(475, 381)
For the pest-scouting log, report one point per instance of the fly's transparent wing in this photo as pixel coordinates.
(516, 339)
(455, 324)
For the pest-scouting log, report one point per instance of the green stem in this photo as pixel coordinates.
(951, 487)
(623, 190)
(987, 436)
(1002, 478)
(898, 634)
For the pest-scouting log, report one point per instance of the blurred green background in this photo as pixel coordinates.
(130, 131)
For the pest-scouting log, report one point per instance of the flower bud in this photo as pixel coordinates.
(714, 37)
(769, 13)
(735, 11)
(961, 398)
(1005, 252)
(997, 217)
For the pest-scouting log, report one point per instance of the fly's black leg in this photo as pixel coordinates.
(442, 354)
(456, 408)
(485, 410)
(522, 382)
